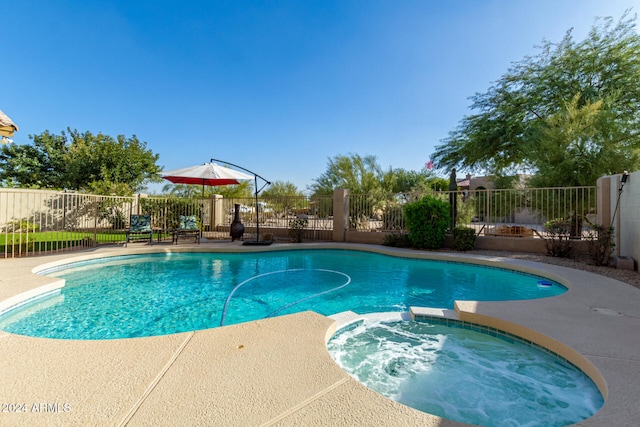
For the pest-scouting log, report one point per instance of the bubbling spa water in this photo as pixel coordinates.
(465, 375)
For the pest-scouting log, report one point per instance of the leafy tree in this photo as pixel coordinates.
(80, 161)
(101, 158)
(580, 97)
(281, 189)
(41, 165)
(182, 190)
(404, 181)
(431, 184)
(360, 175)
(567, 147)
(284, 197)
(108, 187)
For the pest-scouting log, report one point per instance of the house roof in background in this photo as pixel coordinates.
(7, 127)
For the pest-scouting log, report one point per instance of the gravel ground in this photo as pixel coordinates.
(581, 263)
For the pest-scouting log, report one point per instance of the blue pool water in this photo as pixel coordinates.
(466, 375)
(157, 294)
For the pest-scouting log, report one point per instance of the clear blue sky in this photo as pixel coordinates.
(278, 87)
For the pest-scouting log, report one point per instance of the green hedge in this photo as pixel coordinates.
(464, 239)
(427, 221)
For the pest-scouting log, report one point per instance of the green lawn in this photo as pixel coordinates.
(58, 236)
(39, 241)
(54, 240)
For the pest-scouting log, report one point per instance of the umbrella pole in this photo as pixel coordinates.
(255, 177)
(202, 210)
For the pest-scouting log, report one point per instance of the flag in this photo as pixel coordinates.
(429, 165)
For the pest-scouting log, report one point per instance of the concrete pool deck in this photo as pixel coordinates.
(277, 371)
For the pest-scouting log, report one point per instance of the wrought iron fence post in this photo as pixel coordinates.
(95, 221)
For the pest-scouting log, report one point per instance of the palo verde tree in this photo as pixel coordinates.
(568, 114)
(406, 181)
(281, 189)
(360, 175)
(284, 196)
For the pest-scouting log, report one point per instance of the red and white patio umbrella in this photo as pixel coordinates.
(210, 174)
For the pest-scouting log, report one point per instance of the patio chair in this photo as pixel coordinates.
(139, 228)
(188, 228)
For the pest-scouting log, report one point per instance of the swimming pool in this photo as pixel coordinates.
(459, 372)
(165, 293)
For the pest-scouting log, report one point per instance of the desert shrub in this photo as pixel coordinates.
(464, 238)
(296, 227)
(358, 221)
(427, 221)
(23, 225)
(600, 244)
(393, 218)
(397, 240)
(466, 209)
(558, 239)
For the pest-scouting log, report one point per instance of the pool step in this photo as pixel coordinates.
(346, 318)
(418, 312)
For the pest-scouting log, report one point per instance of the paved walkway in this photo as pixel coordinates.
(278, 371)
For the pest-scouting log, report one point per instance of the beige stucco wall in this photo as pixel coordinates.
(340, 214)
(497, 243)
(480, 181)
(604, 200)
(368, 237)
(627, 218)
